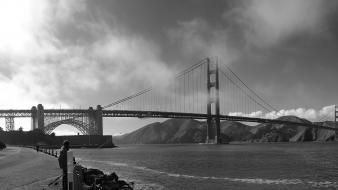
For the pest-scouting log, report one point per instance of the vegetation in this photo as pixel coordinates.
(193, 131)
(38, 137)
(21, 137)
(2, 145)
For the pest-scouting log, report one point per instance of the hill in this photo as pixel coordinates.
(282, 132)
(169, 131)
(193, 131)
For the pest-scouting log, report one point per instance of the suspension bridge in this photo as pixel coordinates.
(207, 90)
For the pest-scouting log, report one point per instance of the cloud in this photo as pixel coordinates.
(259, 23)
(197, 38)
(324, 114)
(48, 63)
(267, 22)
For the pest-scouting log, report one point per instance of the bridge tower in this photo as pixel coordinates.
(91, 120)
(213, 120)
(95, 121)
(98, 120)
(38, 118)
(33, 118)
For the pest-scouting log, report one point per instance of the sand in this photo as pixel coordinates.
(24, 168)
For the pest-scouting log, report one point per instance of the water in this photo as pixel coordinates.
(243, 166)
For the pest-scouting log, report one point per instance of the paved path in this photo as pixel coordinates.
(24, 168)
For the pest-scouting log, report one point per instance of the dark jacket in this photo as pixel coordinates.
(63, 158)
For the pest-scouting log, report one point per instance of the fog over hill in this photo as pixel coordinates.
(193, 131)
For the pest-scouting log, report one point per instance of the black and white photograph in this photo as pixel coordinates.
(168, 95)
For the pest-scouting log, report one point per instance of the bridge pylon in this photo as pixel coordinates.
(37, 117)
(99, 120)
(213, 120)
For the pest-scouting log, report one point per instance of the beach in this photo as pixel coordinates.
(24, 168)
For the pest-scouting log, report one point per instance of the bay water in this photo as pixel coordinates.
(235, 166)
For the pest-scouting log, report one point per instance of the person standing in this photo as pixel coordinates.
(63, 163)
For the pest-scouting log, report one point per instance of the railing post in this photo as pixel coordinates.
(70, 169)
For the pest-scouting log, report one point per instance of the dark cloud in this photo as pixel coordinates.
(93, 52)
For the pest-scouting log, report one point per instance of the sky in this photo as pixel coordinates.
(81, 53)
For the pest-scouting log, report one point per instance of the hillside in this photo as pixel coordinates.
(169, 131)
(193, 131)
(282, 132)
(325, 135)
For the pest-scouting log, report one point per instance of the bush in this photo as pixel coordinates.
(2, 145)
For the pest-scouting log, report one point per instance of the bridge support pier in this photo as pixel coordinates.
(95, 121)
(9, 123)
(213, 120)
(33, 118)
(38, 117)
(91, 120)
(98, 120)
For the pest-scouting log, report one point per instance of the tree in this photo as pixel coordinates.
(2, 145)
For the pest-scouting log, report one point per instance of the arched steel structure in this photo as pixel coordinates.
(83, 127)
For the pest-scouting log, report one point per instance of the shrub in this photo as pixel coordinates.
(2, 145)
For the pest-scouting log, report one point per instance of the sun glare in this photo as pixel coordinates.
(17, 22)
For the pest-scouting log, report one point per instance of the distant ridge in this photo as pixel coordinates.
(192, 131)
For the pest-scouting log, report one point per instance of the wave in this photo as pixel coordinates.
(317, 184)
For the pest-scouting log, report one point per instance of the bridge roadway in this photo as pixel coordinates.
(159, 114)
(153, 114)
(47, 112)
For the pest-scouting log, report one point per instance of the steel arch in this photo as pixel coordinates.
(83, 127)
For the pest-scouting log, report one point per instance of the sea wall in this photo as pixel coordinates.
(87, 140)
(37, 137)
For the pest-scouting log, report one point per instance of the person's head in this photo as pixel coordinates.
(66, 144)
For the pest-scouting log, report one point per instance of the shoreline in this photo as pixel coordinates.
(235, 143)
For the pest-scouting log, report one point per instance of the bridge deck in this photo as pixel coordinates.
(158, 114)
(152, 114)
(15, 113)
